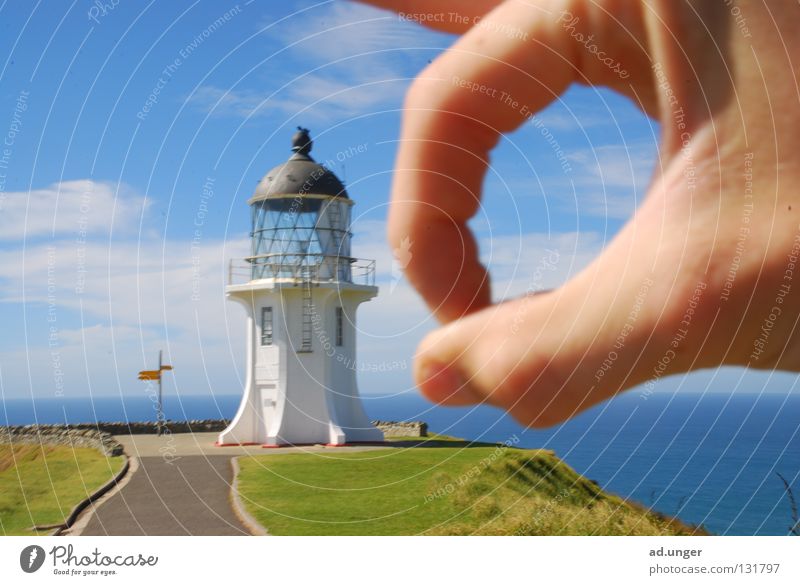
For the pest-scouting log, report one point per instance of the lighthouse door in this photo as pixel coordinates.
(267, 380)
(269, 394)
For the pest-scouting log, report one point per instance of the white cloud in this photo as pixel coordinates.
(608, 205)
(138, 283)
(69, 207)
(340, 30)
(615, 165)
(316, 96)
(219, 101)
(351, 59)
(562, 119)
(609, 181)
(537, 261)
(99, 309)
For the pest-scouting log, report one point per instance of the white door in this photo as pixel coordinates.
(269, 397)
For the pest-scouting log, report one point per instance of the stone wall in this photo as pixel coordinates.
(99, 435)
(402, 429)
(389, 428)
(61, 435)
(151, 428)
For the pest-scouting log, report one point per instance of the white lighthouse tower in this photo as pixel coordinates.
(301, 288)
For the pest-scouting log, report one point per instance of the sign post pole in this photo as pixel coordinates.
(160, 404)
(149, 375)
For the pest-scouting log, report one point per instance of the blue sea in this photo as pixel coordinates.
(708, 459)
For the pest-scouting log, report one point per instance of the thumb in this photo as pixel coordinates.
(547, 356)
(502, 355)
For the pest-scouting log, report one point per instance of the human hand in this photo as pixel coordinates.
(705, 272)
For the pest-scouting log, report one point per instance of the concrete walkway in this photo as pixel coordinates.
(179, 485)
(187, 496)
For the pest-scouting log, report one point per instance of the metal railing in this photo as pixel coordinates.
(302, 268)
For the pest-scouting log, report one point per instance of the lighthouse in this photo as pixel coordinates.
(301, 288)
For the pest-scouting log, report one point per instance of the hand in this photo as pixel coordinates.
(705, 274)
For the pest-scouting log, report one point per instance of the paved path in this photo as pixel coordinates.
(184, 496)
(182, 487)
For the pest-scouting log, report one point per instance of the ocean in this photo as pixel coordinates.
(708, 459)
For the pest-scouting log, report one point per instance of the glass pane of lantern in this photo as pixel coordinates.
(299, 237)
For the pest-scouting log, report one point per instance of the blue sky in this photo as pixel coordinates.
(119, 118)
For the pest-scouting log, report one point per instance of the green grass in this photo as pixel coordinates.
(444, 489)
(39, 485)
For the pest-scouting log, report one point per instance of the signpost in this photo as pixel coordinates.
(156, 375)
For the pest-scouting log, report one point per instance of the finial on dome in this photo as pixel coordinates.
(301, 141)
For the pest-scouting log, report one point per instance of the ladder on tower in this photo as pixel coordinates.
(308, 309)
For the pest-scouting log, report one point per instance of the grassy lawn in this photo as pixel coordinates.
(40, 485)
(446, 489)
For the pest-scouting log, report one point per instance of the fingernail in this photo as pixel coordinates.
(444, 384)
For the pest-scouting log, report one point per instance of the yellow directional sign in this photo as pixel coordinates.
(153, 374)
(156, 375)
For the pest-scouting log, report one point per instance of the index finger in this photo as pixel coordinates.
(455, 16)
(510, 66)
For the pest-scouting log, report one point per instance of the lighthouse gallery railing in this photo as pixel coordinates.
(302, 267)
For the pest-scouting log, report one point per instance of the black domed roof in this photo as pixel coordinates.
(300, 175)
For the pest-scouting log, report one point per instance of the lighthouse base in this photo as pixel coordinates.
(300, 415)
(301, 366)
(240, 435)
